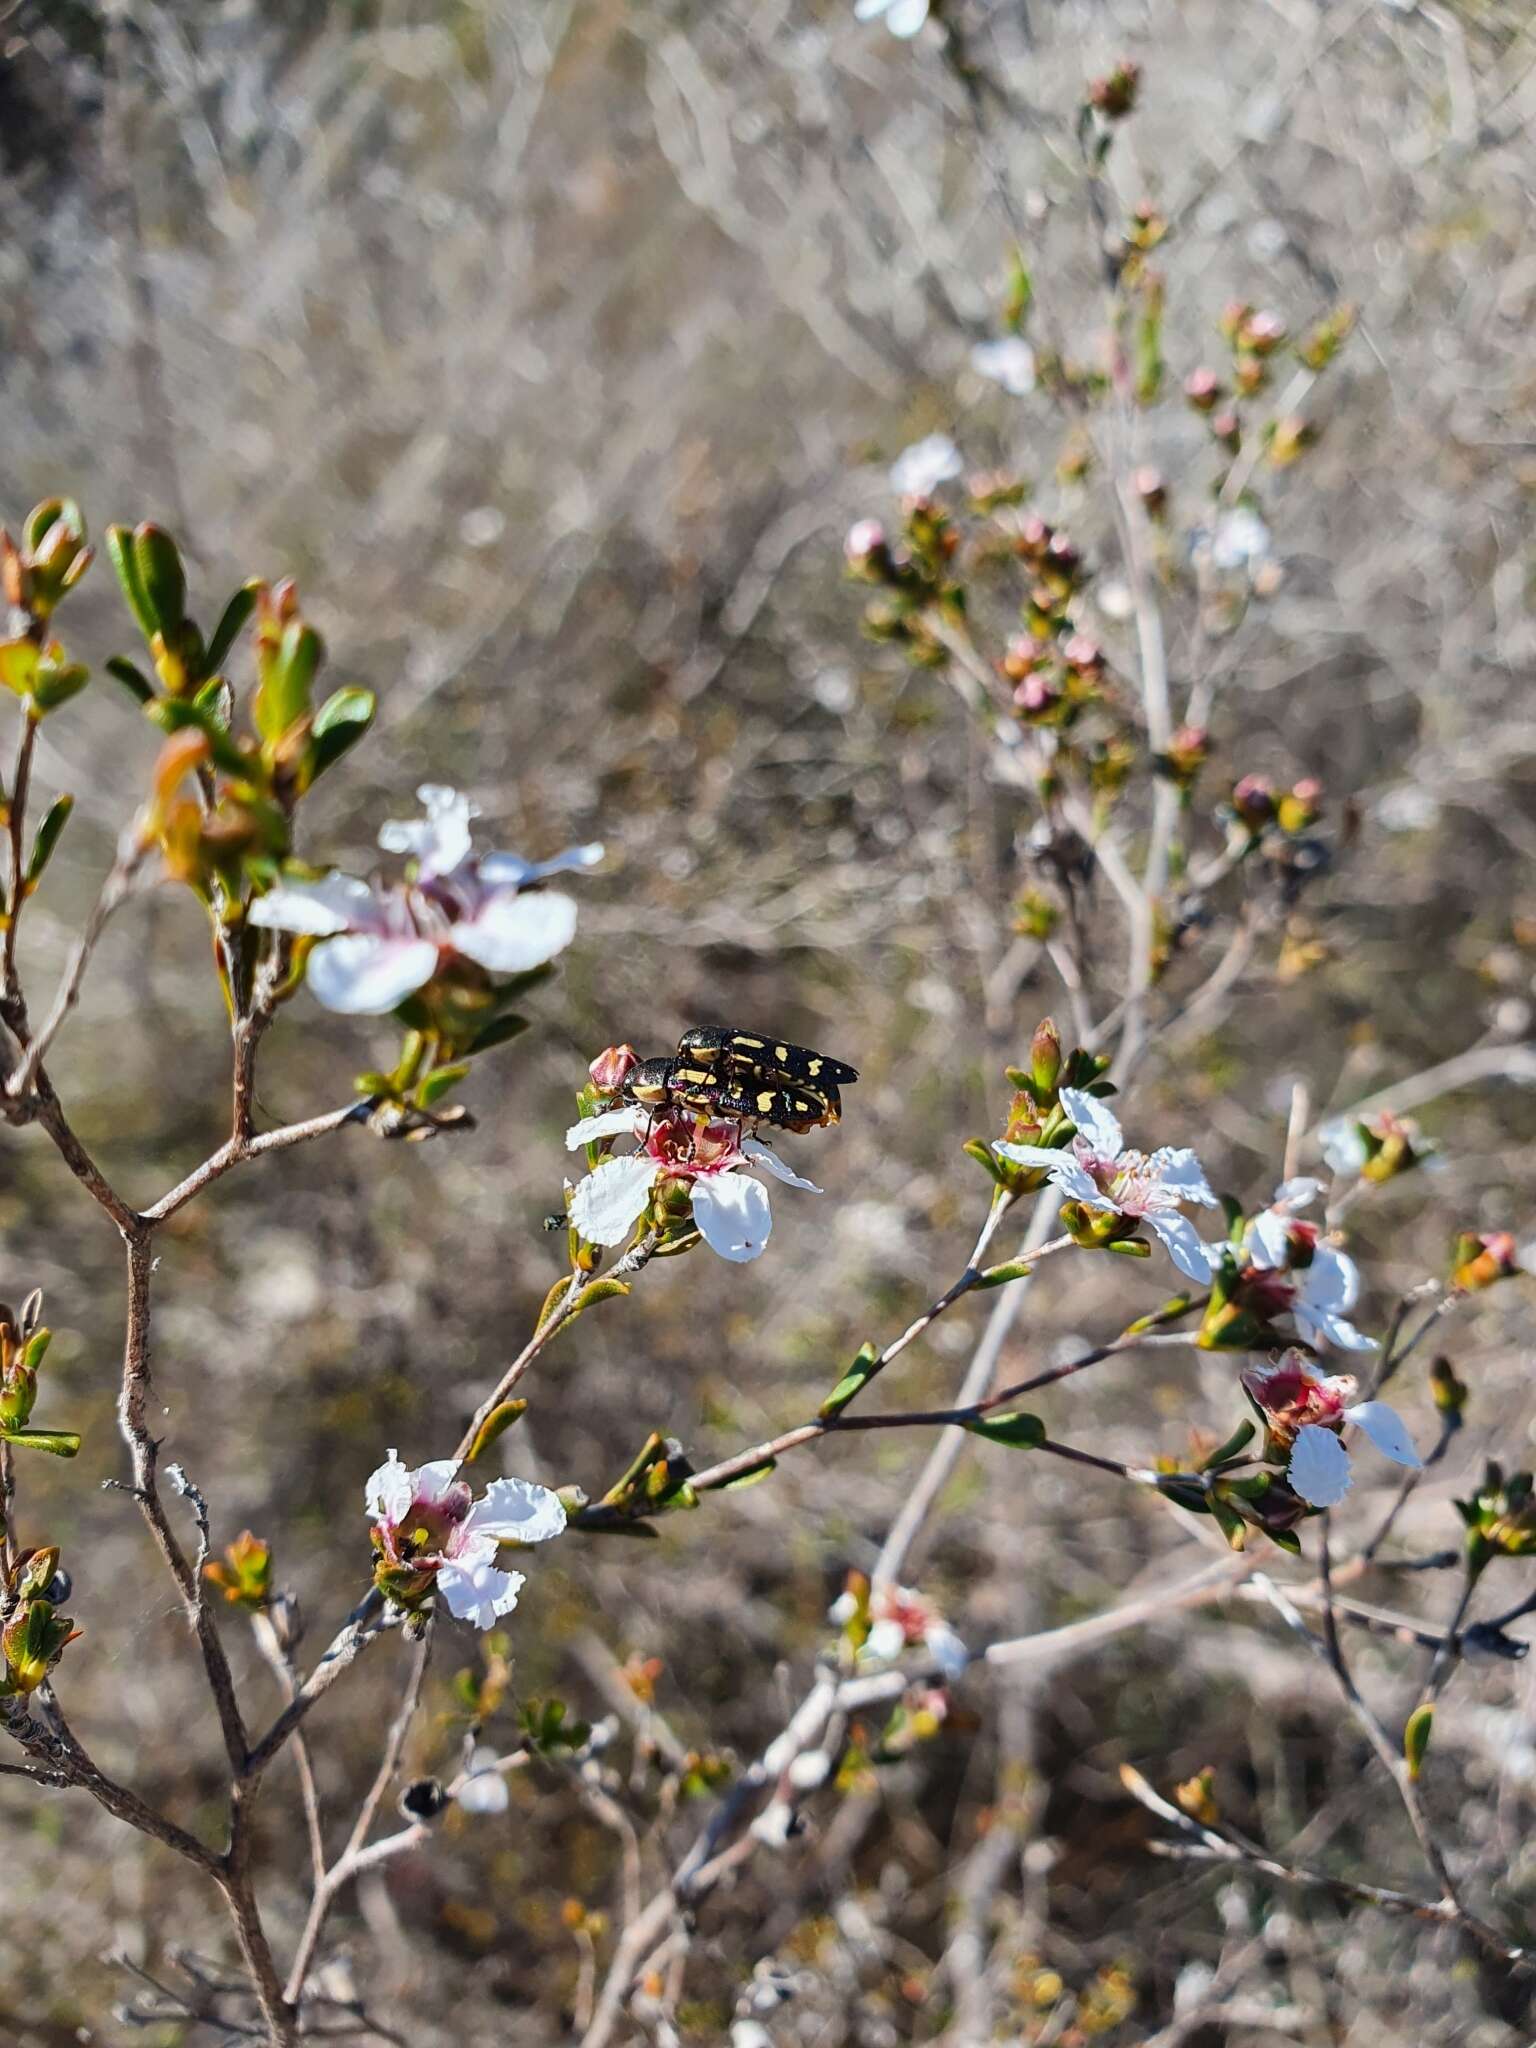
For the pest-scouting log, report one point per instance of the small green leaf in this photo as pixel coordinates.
(496, 1424)
(55, 686)
(1240, 1438)
(596, 1291)
(981, 1152)
(119, 544)
(750, 1477)
(62, 1443)
(175, 714)
(339, 724)
(1023, 1432)
(500, 1031)
(132, 678)
(162, 579)
(231, 619)
(1010, 1269)
(54, 820)
(437, 1084)
(853, 1382)
(1420, 1726)
(18, 666)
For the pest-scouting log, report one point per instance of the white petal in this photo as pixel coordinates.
(1386, 1430)
(511, 933)
(843, 1608)
(440, 840)
(517, 1511)
(484, 1789)
(336, 903)
(866, 10)
(1182, 1243)
(612, 1197)
(1319, 1468)
(511, 871)
(886, 1639)
(475, 1591)
(1095, 1121)
(761, 1155)
(364, 976)
(1075, 1182)
(733, 1214)
(1338, 1331)
(905, 17)
(432, 1481)
(1332, 1281)
(608, 1123)
(1009, 362)
(1298, 1193)
(1181, 1173)
(389, 1491)
(1267, 1244)
(919, 469)
(1342, 1146)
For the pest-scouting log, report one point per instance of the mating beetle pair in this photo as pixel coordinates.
(727, 1073)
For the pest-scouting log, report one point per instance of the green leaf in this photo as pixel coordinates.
(54, 820)
(119, 545)
(55, 686)
(282, 698)
(175, 714)
(18, 666)
(1023, 1432)
(496, 1424)
(437, 1084)
(1239, 1440)
(231, 619)
(62, 1443)
(500, 1031)
(162, 579)
(339, 724)
(596, 1291)
(857, 1377)
(981, 1152)
(1010, 1269)
(1420, 1726)
(132, 678)
(750, 1477)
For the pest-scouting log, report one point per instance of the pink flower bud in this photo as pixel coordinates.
(865, 538)
(611, 1069)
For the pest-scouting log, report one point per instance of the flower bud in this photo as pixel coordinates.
(867, 551)
(1450, 1394)
(1149, 486)
(1253, 801)
(1227, 431)
(612, 1068)
(1202, 390)
(1114, 95)
(1480, 1258)
(1045, 1058)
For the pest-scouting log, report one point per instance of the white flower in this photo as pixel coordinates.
(901, 1617)
(380, 944)
(1307, 1409)
(483, 1788)
(431, 1535)
(1009, 362)
(902, 17)
(1324, 1281)
(1241, 540)
(1342, 1145)
(1098, 1171)
(919, 470)
(730, 1209)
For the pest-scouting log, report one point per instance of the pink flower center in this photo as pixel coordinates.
(690, 1148)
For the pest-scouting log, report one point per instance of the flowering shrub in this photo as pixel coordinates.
(1150, 868)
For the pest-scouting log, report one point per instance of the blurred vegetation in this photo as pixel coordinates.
(554, 347)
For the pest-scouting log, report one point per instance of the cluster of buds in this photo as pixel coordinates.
(1258, 806)
(1113, 96)
(34, 578)
(1481, 1259)
(34, 1634)
(915, 577)
(1053, 683)
(1035, 1113)
(1187, 753)
(1254, 336)
(1500, 1518)
(221, 804)
(244, 1573)
(23, 1342)
(1377, 1148)
(1237, 1499)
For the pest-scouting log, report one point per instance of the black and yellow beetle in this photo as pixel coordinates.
(726, 1073)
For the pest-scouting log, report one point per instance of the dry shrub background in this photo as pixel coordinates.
(553, 347)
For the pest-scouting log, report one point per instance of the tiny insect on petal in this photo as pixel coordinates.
(734, 1216)
(1386, 1430)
